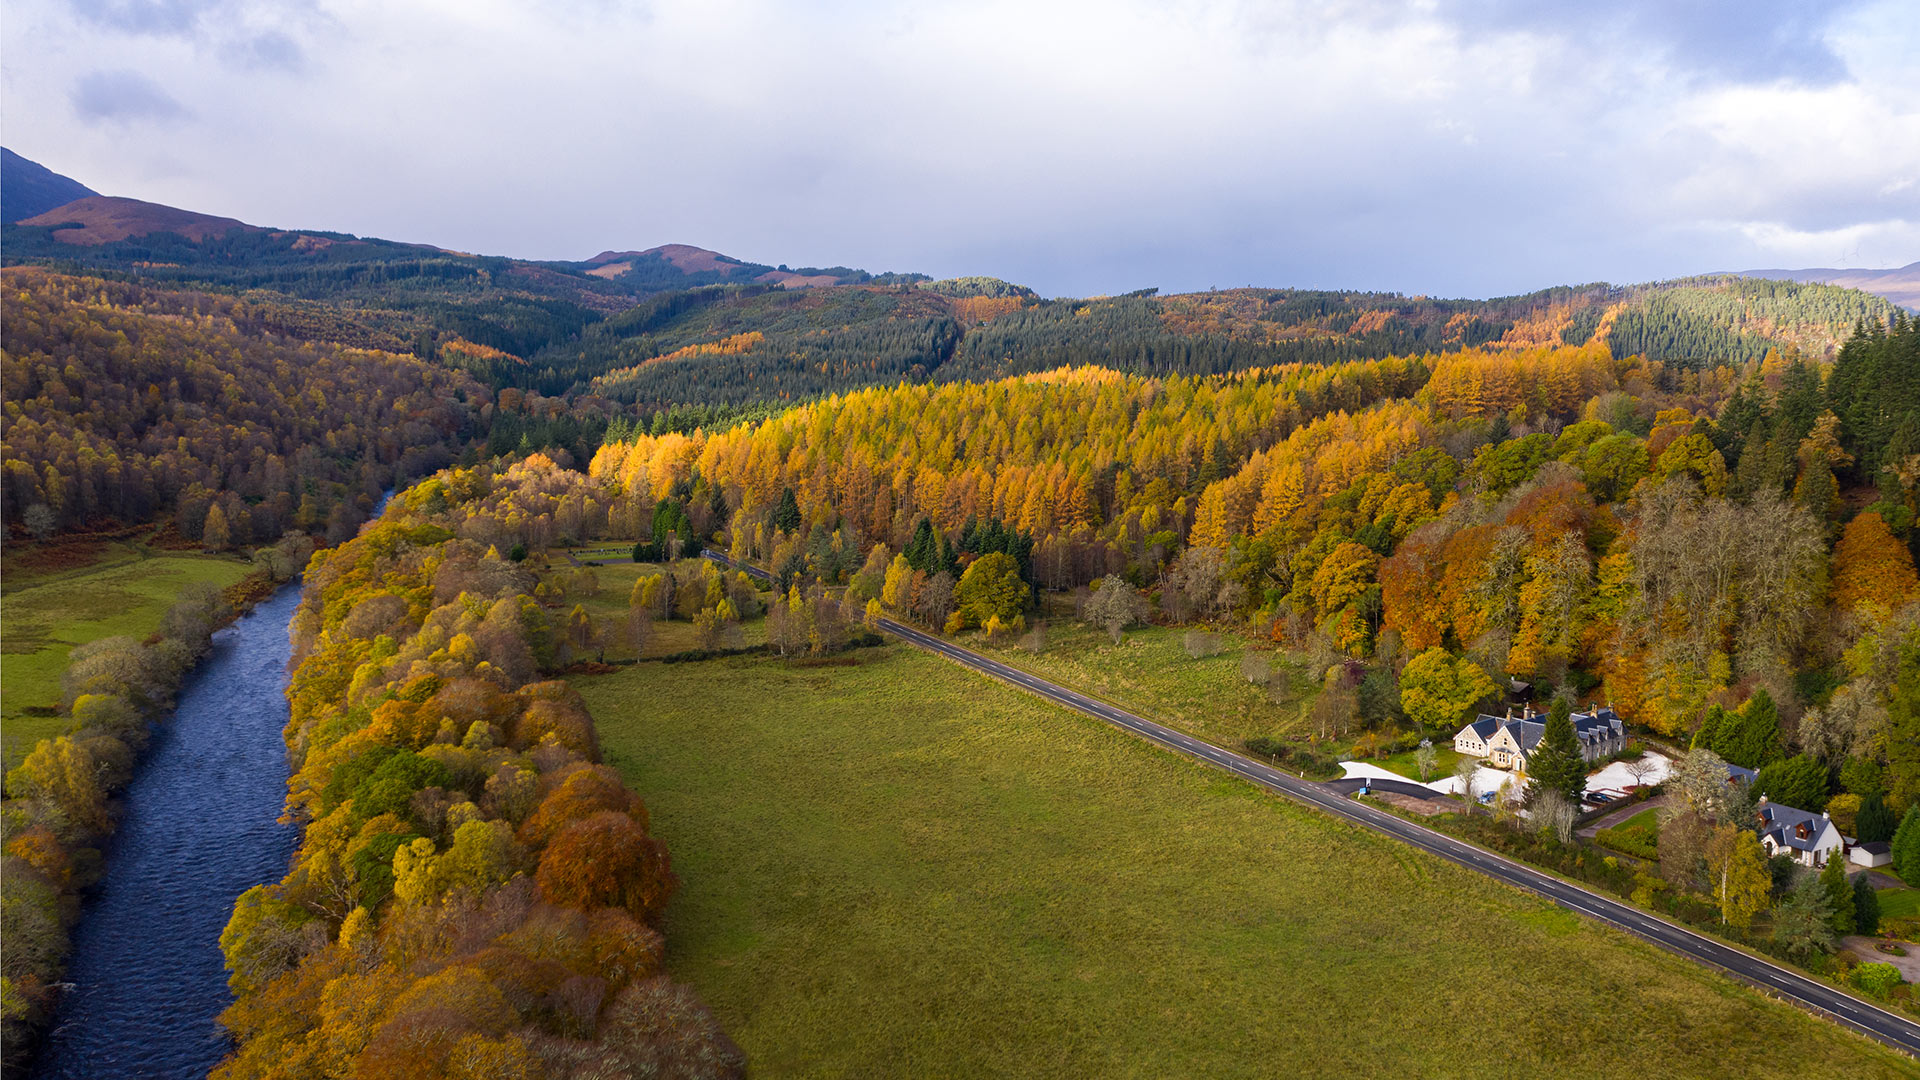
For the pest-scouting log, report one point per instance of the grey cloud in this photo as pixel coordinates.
(122, 96)
(156, 17)
(1724, 40)
(268, 51)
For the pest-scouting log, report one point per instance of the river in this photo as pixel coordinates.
(199, 830)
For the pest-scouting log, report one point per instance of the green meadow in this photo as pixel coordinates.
(45, 614)
(894, 867)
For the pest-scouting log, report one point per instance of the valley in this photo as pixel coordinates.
(607, 752)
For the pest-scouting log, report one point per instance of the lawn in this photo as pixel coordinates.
(898, 868)
(1445, 757)
(43, 615)
(1899, 903)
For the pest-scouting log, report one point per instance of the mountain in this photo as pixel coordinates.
(684, 266)
(28, 188)
(1900, 285)
(103, 219)
(681, 325)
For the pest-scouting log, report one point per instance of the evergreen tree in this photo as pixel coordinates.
(1556, 764)
(1866, 905)
(1750, 736)
(1876, 821)
(1906, 847)
(922, 549)
(786, 516)
(1833, 879)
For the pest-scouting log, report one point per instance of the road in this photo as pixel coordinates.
(1869, 1020)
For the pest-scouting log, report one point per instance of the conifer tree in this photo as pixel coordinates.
(1556, 763)
(1833, 879)
(1906, 847)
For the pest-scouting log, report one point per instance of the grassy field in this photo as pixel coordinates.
(899, 868)
(615, 582)
(44, 614)
(1150, 673)
(1899, 903)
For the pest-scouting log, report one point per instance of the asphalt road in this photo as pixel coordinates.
(1876, 1023)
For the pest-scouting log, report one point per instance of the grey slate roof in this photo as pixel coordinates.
(1783, 822)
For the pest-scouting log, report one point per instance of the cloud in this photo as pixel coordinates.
(1079, 146)
(269, 50)
(1718, 40)
(157, 17)
(123, 97)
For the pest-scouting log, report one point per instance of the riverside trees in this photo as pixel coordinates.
(473, 895)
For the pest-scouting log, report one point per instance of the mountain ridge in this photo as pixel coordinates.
(28, 188)
(1900, 284)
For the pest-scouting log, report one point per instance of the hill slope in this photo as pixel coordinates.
(1900, 284)
(102, 219)
(28, 188)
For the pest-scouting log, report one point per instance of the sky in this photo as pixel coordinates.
(1435, 147)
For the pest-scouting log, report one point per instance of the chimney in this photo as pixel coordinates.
(1762, 800)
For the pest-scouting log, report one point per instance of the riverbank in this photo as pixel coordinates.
(200, 826)
(64, 797)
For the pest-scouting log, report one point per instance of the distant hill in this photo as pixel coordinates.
(678, 324)
(102, 219)
(1901, 285)
(682, 266)
(28, 188)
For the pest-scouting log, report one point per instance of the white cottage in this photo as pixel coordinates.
(1810, 838)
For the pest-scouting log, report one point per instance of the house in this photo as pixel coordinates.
(1809, 838)
(1871, 854)
(1506, 741)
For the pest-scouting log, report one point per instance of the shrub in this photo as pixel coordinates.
(1639, 842)
(1877, 979)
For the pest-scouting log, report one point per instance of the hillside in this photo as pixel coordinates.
(679, 325)
(103, 219)
(28, 188)
(742, 344)
(128, 404)
(1900, 284)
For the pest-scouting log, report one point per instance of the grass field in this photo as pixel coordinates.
(616, 582)
(43, 615)
(902, 869)
(1150, 673)
(1899, 903)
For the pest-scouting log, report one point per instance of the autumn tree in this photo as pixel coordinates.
(606, 860)
(990, 588)
(1740, 880)
(1871, 567)
(1437, 690)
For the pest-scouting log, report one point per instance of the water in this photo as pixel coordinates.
(199, 830)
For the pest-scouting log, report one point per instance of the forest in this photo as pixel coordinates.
(1676, 540)
(1694, 501)
(475, 895)
(125, 403)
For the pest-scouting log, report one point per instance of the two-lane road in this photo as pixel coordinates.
(1877, 1023)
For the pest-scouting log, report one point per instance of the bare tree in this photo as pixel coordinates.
(1035, 640)
(1254, 666)
(1555, 813)
(1114, 606)
(1201, 643)
(1463, 771)
(1641, 768)
(1424, 759)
